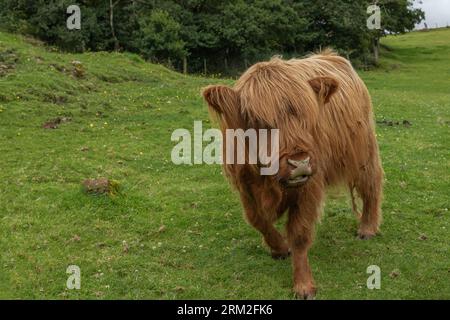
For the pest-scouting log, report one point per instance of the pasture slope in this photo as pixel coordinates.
(177, 231)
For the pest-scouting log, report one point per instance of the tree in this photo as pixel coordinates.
(159, 37)
(111, 23)
(339, 24)
(397, 16)
(227, 35)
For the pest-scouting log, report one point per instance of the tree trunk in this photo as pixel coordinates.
(376, 50)
(111, 23)
(227, 51)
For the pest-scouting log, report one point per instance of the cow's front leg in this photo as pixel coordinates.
(300, 229)
(274, 240)
(261, 201)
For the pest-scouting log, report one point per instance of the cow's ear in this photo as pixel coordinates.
(324, 87)
(221, 99)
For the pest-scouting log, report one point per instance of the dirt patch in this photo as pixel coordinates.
(39, 60)
(55, 99)
(76, 69)
(54, 123)
(101, 186)
(391, 123)
(394, 274)
(8, 61)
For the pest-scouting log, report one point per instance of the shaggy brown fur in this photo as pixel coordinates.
(323, 111)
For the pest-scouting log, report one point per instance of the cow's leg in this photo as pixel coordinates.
(278, 246)
(369, 187)
(300, 229)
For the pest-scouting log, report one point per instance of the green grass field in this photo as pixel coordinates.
(176, 232)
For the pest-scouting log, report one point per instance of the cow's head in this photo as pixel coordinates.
(275, 100)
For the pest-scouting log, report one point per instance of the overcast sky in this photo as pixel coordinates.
(436, 12)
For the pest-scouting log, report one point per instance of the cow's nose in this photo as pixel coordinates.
(301, 172)
(301, 167)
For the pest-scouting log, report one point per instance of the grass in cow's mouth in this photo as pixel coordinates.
(177, 231)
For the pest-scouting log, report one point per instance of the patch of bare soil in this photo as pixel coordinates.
(101, 186)
(8, 61)
(54, 123)
(391, 123)
(77, 69)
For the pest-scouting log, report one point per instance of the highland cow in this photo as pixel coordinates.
(327, 137)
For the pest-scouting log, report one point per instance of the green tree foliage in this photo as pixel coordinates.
(159, 36)
(212, 35)
(397, 17)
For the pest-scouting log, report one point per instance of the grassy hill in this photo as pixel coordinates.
(177, 231)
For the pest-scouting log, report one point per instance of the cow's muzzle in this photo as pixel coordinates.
(300, 174)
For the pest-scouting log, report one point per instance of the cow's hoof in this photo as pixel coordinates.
(280, 255)
(305, 292)
(364, 235)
